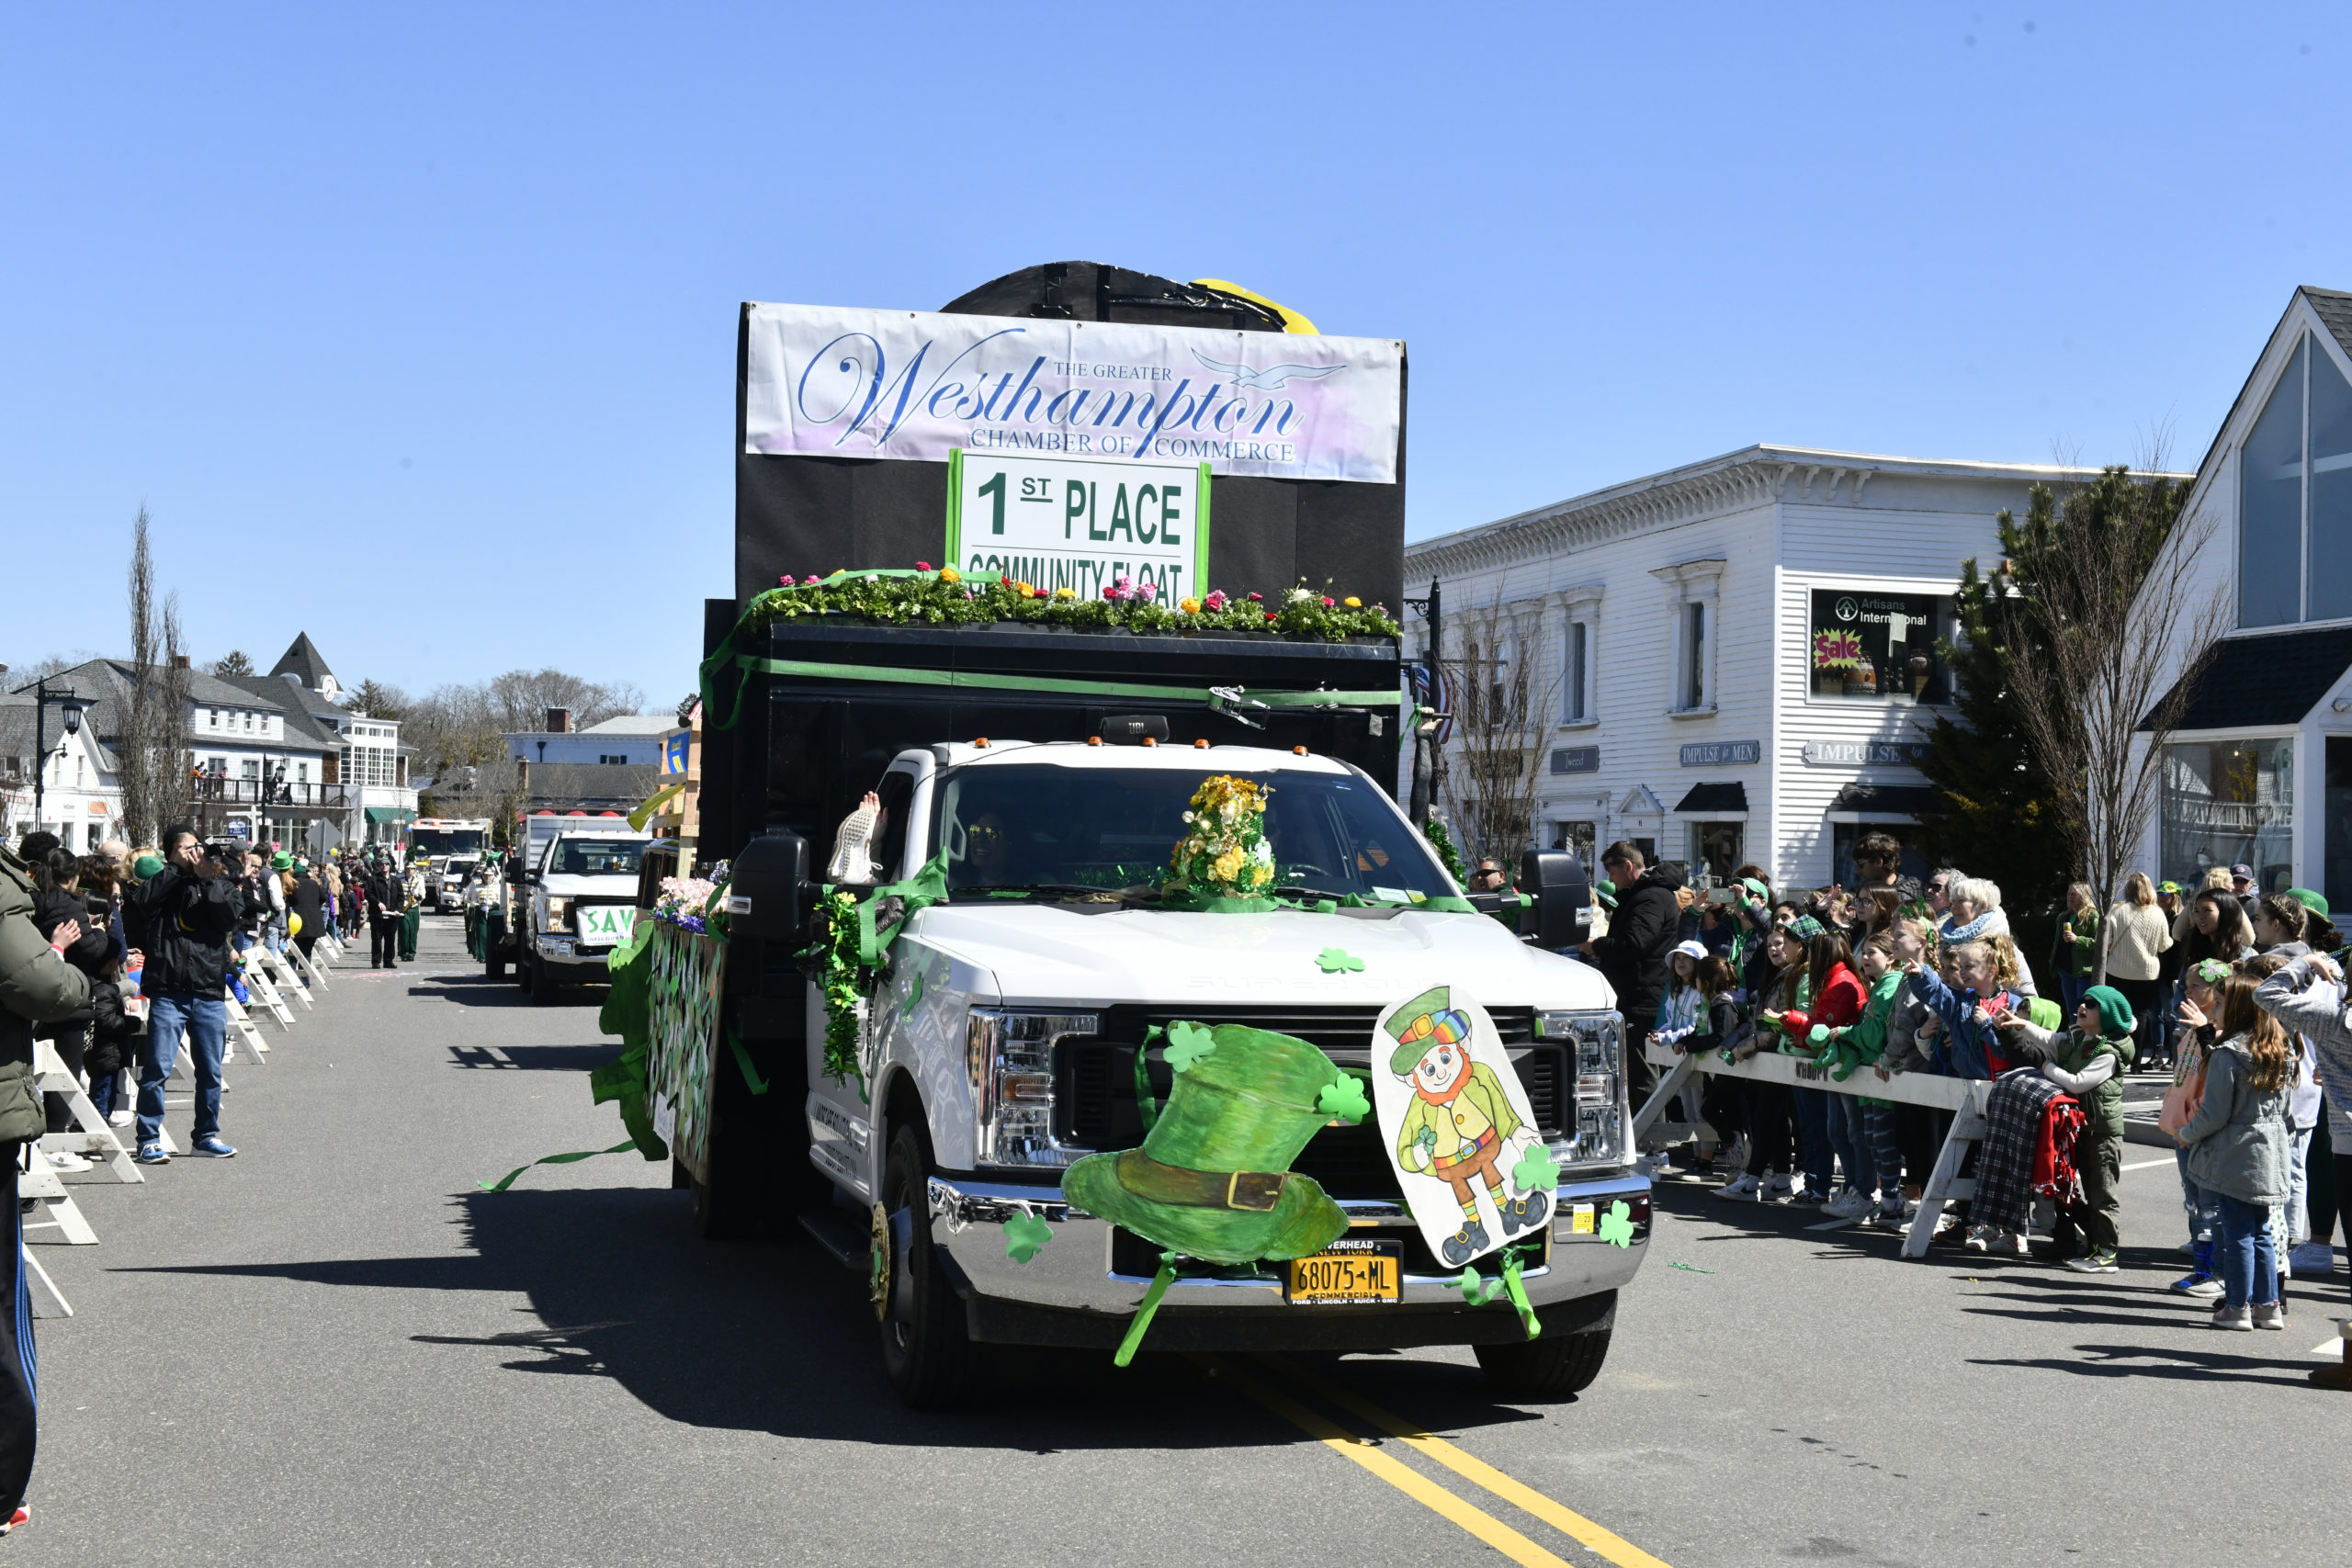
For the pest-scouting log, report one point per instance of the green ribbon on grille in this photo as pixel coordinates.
(1160, 1283)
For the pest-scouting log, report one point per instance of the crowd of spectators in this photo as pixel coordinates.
(2234, 1001)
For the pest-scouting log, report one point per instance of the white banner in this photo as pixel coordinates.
(905, 384)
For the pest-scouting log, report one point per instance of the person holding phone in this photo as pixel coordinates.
(181, 919)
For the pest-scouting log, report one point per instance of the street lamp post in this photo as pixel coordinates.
(69, 703)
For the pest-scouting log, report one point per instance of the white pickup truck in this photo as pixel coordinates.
(1002, 1045)
(580, 904)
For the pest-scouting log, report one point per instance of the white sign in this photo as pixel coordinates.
(904, 384)
(605, 925)
(1456, 1123)
(1060, 523)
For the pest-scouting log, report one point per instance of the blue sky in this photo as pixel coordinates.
(414, 327)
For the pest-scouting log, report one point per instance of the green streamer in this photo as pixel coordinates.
(1160, 1283)
(507, 1180)
(1147, 1107)
(743, 1060)
(1517, 1290)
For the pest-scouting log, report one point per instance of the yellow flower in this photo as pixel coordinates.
(1065, 592)
(1352, 603)
(949, 574)
(1190, 606)
(1229, 865)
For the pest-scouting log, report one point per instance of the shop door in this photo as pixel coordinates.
(2338, 819)
(1717, 848)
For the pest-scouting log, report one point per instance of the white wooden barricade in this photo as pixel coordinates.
(1964, 1097)
(258, 981)
(91, 1137)
(47, 1283)
(288, 981)
(39, 1182)
(241, 1031)
(308, 966)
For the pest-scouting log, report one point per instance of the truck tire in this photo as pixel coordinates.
(1553, 1367)
(522, 968)
(493, 965)
(543, 986)
(927, 1352)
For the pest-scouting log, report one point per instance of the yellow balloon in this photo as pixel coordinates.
(293, 925)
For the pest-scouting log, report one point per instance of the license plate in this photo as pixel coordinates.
(603, 925)
(1351, 1271)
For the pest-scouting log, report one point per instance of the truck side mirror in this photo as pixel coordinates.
(1563, 894)
(769, 891)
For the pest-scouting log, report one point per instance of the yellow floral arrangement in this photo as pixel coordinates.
(1224, 852)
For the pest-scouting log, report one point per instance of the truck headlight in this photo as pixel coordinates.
(559, 914)
(1010, 1058)
(1598, 1040)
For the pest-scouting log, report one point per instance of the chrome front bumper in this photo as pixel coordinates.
(1072, 1274)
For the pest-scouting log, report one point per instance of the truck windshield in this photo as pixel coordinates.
(447, 840)
(597, 857)
(1054, 828)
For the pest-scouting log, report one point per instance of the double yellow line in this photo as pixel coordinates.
(1511, 1542)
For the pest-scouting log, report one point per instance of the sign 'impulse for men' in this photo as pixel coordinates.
(906, 385)
(1055, 523)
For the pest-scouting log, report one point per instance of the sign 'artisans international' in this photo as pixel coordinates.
(909, 385)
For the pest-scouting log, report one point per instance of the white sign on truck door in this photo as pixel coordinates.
(1067, 522)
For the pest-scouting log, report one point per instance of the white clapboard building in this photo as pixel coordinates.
(1735, 660)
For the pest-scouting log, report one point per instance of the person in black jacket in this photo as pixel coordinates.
(387, 893)
(57, 901)
(181, 919)
(1647, 924)
(308, 900)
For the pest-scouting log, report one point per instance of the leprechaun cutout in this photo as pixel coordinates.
(1458, 1123)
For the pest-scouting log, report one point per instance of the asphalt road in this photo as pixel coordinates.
(337, 1349)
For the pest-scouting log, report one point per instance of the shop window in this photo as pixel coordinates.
(1580, 838)
(1878, 647)
(2229, 803)
(1717, 848)
(1844, 835)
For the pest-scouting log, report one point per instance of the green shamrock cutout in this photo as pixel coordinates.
(1535, 1169)
(1344, 1100)
(1337, 961)
(1023, 1235)
(1617, 1224)
(1476, 1290)
(1187, 1043)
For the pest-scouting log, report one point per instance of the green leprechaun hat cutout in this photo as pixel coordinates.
(1213, 1179)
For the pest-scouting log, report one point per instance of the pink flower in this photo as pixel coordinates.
(1329, 602)
(1257, 598)
(786, 580)
(1150, 591)
(811, 581)
(1215, 601)
(922, 566)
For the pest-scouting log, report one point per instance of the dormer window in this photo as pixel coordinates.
(2295, 497)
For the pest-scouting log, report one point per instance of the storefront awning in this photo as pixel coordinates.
(2271, 680)
(1893, 800)
(1730, 797)
(389, 814)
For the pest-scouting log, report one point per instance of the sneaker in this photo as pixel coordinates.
(16, 1521)
(2270, 1315)
(61, 1160)
(2204, 1287)
(1775, 1190)
(2100, 1261)
(120, 1118)
(1742, 1188)
(151, 1154)
(212, 1148)
(1850, 1204)
(2312, 1259)
(1979, 1238)
(2237, 1319)
(2011, 1243)
(1889, 1216)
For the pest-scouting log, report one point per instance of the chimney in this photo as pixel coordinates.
(179, 660)
(559, 721)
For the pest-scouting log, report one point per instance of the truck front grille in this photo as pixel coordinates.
(1094, 1082)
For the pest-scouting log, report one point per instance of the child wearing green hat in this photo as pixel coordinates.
(2088, 1062)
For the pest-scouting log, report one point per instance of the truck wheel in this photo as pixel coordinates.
(493, 965)
(522, 970)
(926, 1350)
(1553, 1367)
(543, 987)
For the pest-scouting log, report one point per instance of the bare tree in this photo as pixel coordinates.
(2101, 599)
(141, 812)
(173, 759)
(1499, 703)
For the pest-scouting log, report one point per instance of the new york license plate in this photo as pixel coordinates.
(1352, 1270)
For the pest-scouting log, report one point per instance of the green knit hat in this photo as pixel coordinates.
(1213, 1179)
(145, 867)
(2114, 1013)
(2310, 901)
